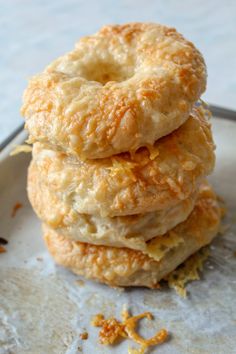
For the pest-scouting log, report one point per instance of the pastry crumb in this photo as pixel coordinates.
(188, 271)
(2, 249)
(113, 330)
(16, 207)
(20, 148)
(84, 335)
(136, 351)
(118, 288)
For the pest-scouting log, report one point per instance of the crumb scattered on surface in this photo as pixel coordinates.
(39, 259)
(16, 207)
(187, 271)
(84, 335)
(113, 330)
(136, 351)
(3, 241)
(2, 249)
(80, 282)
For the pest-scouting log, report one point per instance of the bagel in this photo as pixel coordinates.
(118, 90)
(121, 231)
(125, 267)
(137, 184)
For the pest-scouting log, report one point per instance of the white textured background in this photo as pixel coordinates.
(32, 33)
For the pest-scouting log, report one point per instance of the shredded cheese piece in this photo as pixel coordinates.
(135, 351)
(159, 246)
(223, 207)
(112, 330)
(186, 272)
(122, 167)
(15, 208)
(84, 335)
(153, 152)
(21, 148)
(2, 249)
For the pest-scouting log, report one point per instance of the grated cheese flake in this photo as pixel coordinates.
(21, 148)
(112, 330)
(153, 152)
(188, 271)
(122, 167)
(159, 246)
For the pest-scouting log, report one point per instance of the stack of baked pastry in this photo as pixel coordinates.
(121, 149)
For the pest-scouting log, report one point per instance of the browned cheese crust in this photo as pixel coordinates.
(120, 89)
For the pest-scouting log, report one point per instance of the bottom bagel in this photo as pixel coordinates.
(126, 267)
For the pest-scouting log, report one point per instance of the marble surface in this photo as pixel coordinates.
(32, 33)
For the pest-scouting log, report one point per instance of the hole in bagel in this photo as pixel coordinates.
(103, 72)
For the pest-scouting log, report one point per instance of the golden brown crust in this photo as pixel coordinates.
(125, 267)
(112, 92)
(126, 185)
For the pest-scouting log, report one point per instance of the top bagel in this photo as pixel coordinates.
(118, 90)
